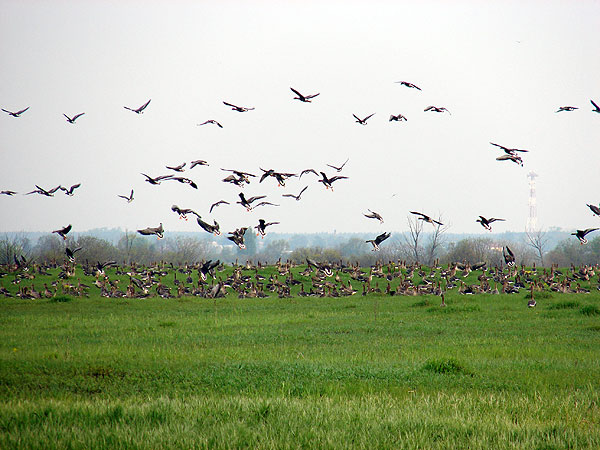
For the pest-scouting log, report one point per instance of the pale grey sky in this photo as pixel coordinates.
(501, 68)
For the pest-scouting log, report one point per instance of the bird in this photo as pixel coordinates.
(594, 208)
(566, 108)
(215, 229)
(596, 107)
(211, 121)
(43, 191)
(410, 85)
(158, 231)
(234, 180)
(63, 231)
(531, 303)
(129, 199)
(243, 176)
(179, 168)
(220, 202)
(70, 190)
(328, 182)
(198, 162)
(184, 181)
(581, 234)
(308, 171)
(238, 108)
(71, 253)
(237, 237)
(303, 98)
(207, 268)
(374, 215)
(139, 110)
(8, 192)
(437, 109)
(246, 203)
(426, 218)
(378, 240)
(509, 256)
(264, 204)
(338, 169)
(485, 223)
(156, 180)
(262, 225)
(15, 114)
(182, 212)
(398, 118)
(279, 176)
(514, 158)
(510, 151)
(363, 121)
(297, 197)
(74, 118)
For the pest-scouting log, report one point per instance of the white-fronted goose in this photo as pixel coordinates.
(337, 169)
(129, 199)
(198, 162)
(238, 108)
(566, 108)
(297, 197)
(63, 231)
(437, 109)
(262, 225)
(237, 237)
(246, 203)
(398, 118)
(15, 114)
(303, 98)
(211, 121)
(581, 234)
(328, 182)
(139, 110)
(410, 85)
(156, 180)
(426, 218)
(74, 118)
(374, 215)
(179, 168)
(378, 240)
(70, 190)
(362, 121)
(485, 223)
(158, 231)
(220, 202)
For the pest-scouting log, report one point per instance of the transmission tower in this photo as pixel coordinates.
(532, 219)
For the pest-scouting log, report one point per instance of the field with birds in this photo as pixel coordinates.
(299, 356)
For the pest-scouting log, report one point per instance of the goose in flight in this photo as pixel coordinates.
(139, 110)
(234, 180)
(71, 253)
(156, 180)
(70, 190)
(243, 176)
(247, 203)
(261, 227)
(485, 223)
(328, 182)
(182, 212)
(264, 204)
(74, 118)
(596, 107)
(510, 151)
(211, 121)
(198, 162)
(43, 191)
(338, 169)
(158, 231)
(237, 237)
(362, 121)
(279, 176)
(220, 202)
(238, 108)
(129, 199)
(215, 229)
(410, 85)
(509, 256)
(398, 118)
(594, 208)
(308, 171)
(18, 113)
(9, 193)
(208, 268)
(63, 231)
(303, 98)
(437, 109)
(184, 180)
(297, 197)
(426, 218)
(581, 234)
(514, 158)
(566, 108)
(179, 168)
(378, 240)
(374, 215)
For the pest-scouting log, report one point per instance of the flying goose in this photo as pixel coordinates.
(9, 193)
(63, 231)
(264, 204)
(182, 212)
(156, 180)
(338, 169)
(215, 229)
(238, 108)
(158, 231)
(596, 107)
(378, 240)
(220, 202)
(71, 253)
(566, 108)
(410, 85)
(129, 199)
(279, 176)
(437, 109)
(179, 168)
(198, 162)
(243, 176)
(580, 234)
(510, 151)
(74, 118)
(328, 182)
(211, 121)
(262, 225)
(485, 223)
(69, 191)
(208, 268)
(514, 158)
(308, 171)
(246, 203)
(303, 98)
(374, 215)
(139, 110)
(426, 218)
(15, 114)
(237, 237)
(509, 256)
(234, 180)
(297, 197)
(184, 181)
(594, 209)
(363, 121)
(398, 118)
(43, 191)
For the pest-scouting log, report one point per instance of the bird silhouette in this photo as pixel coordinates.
(15, 114)
(303, 98)
(139, 110)
(74, 118)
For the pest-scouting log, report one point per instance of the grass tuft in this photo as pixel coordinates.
(565, 305)
(61, 299)
(590, 310)
(449, 366)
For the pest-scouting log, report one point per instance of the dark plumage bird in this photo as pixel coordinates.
(211, 121)
(242, 176)
(308, 171)
(182, 212)
(70, 190)
(129, 199)
(74, 118)
(362, 121)
(179, 168)
(139, 110)
(220, 202)
(596, 107)
(511, 154)
(237, 237)
(238, 108)
(215, 229)
(184, 180)
(337, 169)
(208, 268)
(44, 192)
(510, 151)
(15, 114)
(303, 98)
(374, 215)
(264, 204)
(378, 240)
(297, 197)
(234, 180)
(398, 118)
(328, 182)
(581, 234)
(410, 85)
(9, 193)
(63, 231)
(425, 218)
(514, 158)
(158, 231)
(594, 209)
(437, 109)
(246, 203)
(71, 253)
(509, 256)
(262, 225)
(485, 223)
(279, 176)
(156, 180)
(566, 108)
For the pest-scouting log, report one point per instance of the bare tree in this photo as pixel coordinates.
(539, 241)
(126, 245)
(436, 240)
(415, 228)
(12, 247)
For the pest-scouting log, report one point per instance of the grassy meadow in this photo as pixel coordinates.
(374, 371)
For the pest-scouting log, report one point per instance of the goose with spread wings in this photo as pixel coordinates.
(509, 256)
(210, 121)
(328, 182)
(74, 118)
(486, 223)
(338, 169)
(374, 215)
(156, 180)
(409, 85)
(220, 202)
(426, 218)
(362, 121)
(296, 197)
(438, 109)
(158, 231)
(63, 231)
(129, 199)
(262, 226)
(378, 240)
(237, 237)
(238, 108)
(303, 98)
(595, 209)
(214, 229)
(15, 114)
(139, 110)
(42, 191)
(247, 203)
(581, 234)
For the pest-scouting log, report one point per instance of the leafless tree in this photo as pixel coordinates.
(538, 240)
(436, 240)
(126, 245)
(415, 228)
(14, 246)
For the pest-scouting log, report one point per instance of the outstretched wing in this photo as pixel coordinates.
(143, 107)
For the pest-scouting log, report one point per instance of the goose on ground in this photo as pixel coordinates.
(158, 231)
(74, 118)
(303, 98)
(362, 121)
(485, 223)
(139, 110)
(238, 108)
(378, 240)
(581, 234)
(15, 114)
(426, 218)
(63, 231)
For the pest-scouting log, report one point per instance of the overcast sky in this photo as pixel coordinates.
(501, 68)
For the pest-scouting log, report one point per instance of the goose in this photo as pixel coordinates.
(378, 240)
(179, 168)
(297, 197)
(337, 169)
(44, 192)
(328, 182)
(74, 118)
(243, 176)
(237, 237)
(234, 180)
(485, 223)
(211, 121)
(158, 231)
(15, 114)
(514, 158)
(594, 209)
(129, 199)
(215, 229)
(246, 203)
(410, 85)
(308, 171)
(63, 231)
(208, 268)
(238, 108)
(580, 234)
(70, 190)
(71, 253)
(156, 180)
(139, 110)
(264, 204)
(279, 176)
(262, 225)
(398, 118)
(510, 151)
(566, 108)
(198, 162)
(363, 121)
(9, 193)
(596, 107)
(509, 256)
(184, 180)
(182, 212)
(437, 109)
(374, 215)
(220, 202)
(426, 218)
(303, 98)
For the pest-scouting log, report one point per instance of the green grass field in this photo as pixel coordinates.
(354, 372)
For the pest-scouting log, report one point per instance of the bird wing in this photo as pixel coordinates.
(308, 171)
(230, 104)
(360, 120)
(337, 177)
(22, 111)
(493, 219)
(10, 112)
(68, 118)
(510, 252)
(143, 107)
(589, 230)
(593, 103)
(308, 97)
(419, 214)
(77, 116)
(367, 118)
(429, 108)
(290, 195)
(301, 192)
(297, 93)
(257, 197)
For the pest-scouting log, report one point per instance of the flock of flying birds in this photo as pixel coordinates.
(240, 178)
